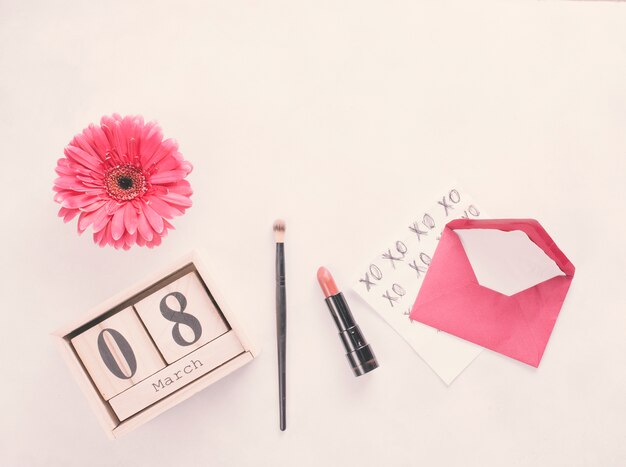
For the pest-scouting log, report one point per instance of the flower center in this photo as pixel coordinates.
(125, 182)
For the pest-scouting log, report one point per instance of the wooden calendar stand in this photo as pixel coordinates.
(153, 346)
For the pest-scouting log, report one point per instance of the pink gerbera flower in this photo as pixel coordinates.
(124, 180)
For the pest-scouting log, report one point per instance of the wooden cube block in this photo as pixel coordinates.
(181, 317)
(117, 353)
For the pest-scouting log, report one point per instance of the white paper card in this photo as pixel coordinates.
(390, 282)
(507, 262)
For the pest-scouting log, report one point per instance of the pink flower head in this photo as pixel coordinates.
(124, 180)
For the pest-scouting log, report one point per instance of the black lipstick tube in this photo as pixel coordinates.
(359, 352)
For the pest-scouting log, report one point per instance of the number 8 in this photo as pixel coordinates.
(179, 317)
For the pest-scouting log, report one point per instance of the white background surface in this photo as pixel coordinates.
(340, 117)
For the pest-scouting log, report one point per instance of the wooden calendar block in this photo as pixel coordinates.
(177, 375)
(114, 353)
(181, 317)
(117, 353)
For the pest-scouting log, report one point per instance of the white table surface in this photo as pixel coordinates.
(343, 118)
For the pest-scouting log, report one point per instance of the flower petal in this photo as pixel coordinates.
(86, 145)
(117, 224)
(100, 142)
(162, 208)
(182, 187)
(176, 199)
(106, 236)
(166, 148)
(130, 218)
(120, 141)
(112, 206)
(102, 220)
(87, 160)
(140, 240)
(70, 183)
(168, 176)
(94, 206)
(97, 237)
(153, 218)
(144, 228)
(130, 239)
(186, 166)
(87, 218)
(156, 241)
(63, 167)
(119, 243)
(94, 179)
(78, 201)
(68, 214)
(151, 140)
(171, 162)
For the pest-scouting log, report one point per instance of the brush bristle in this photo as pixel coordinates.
(279, 231)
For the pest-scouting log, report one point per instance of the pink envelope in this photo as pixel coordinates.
(518, 325)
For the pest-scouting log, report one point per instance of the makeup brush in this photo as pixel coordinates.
(281, 317)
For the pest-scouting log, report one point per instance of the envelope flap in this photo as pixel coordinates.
(530, 227)
(450, 268)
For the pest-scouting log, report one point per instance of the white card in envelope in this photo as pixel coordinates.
(507, 262)
(390, 282)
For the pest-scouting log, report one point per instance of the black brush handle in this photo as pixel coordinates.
(281, 330)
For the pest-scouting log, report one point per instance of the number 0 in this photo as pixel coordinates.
(109, 359)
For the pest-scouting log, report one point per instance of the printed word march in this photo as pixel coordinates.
(162, 382)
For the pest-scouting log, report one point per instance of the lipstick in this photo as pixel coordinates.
(359, 352)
